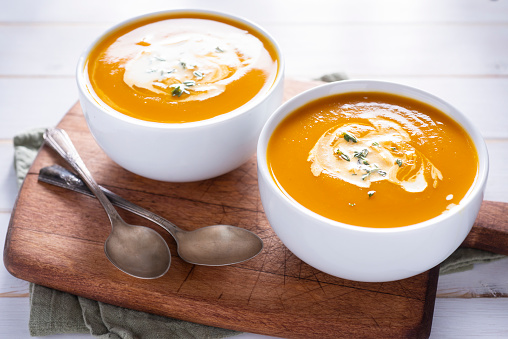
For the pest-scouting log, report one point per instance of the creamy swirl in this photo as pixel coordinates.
(188, 64)
(379, 149)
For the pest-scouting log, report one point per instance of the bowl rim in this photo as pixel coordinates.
(339, 87)
(87, 91)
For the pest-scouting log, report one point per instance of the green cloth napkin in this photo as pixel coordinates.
(464, 259)
(54, 312)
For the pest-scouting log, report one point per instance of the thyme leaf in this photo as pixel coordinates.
(371, 193)
(179, 89)
(398, 162)
(165, 72)
(186, 65)
(349, 137)
(342, 155)
(372, 171)
(362, 154)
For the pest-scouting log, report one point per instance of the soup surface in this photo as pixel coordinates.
(372, 159)
(181, 68)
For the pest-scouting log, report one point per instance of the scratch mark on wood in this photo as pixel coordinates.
(260, 271)
(354, 288)
(404, 289)
(375, 321)
(186, 278)
(253, 287)
(210, 184)
(319, 282)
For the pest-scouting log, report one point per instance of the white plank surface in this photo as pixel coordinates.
(456, 49)
(362, 49)
(28, 102)
(7, 177)
(266, 11)
(485, 281)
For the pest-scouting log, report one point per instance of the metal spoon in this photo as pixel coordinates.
(212, 245)
(136, 250)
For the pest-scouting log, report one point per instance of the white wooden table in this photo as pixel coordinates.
(456, 49)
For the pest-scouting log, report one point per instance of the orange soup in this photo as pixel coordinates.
(372, 159)
(178, 68)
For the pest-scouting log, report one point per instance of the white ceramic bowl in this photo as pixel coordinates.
(179, 152)
(362, 253)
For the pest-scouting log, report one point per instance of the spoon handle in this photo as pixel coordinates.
(59, 176)
(60, 142)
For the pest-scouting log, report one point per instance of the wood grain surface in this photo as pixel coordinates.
(56, 237)
(490, 231)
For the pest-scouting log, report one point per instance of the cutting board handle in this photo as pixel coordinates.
(490, 230)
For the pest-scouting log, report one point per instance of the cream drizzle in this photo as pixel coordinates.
(390, 156)
(201, 63)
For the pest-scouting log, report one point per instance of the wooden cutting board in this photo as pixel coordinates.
(55, 238)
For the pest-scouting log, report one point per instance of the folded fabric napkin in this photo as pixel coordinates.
(54, 312)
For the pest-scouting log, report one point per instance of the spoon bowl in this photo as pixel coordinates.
(144, 257)
(135, 250)
(217, 245)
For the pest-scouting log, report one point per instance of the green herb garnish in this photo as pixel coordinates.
(349, 137)
(393, 148)
(179, 89)
(165, 72)
(189, 83)
(342, 155)
(375, 143)
(158, 58)
(198, 75)
(361, 155)
(371, 193)
(398, 162)
(372, 171)
(186, 65)
(219, 50)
